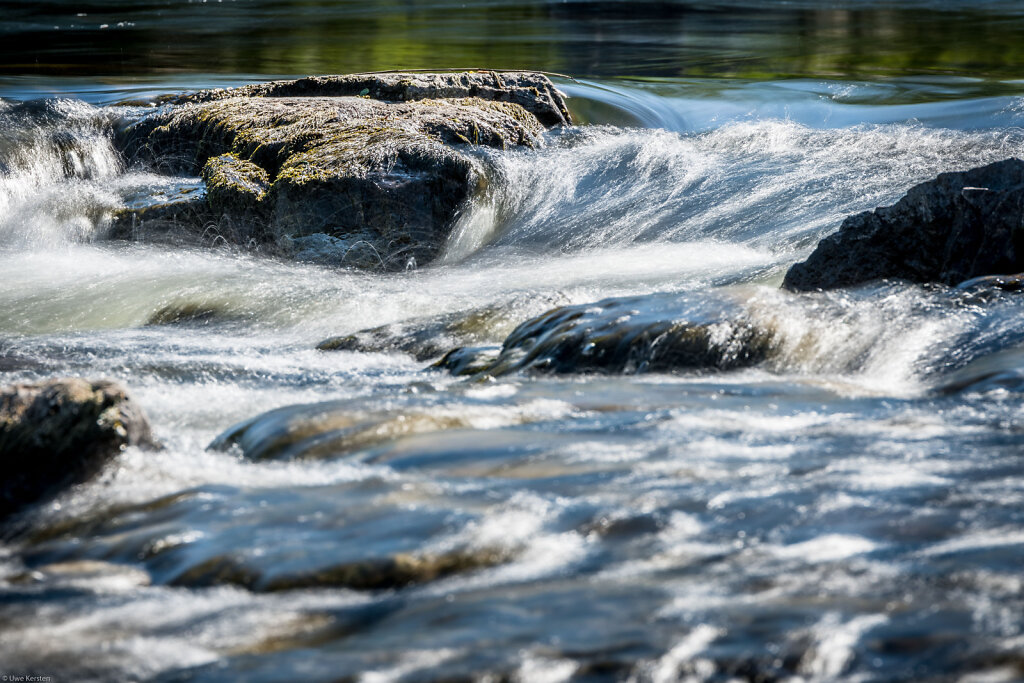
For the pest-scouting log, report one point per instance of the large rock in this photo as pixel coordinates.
(378, 162)
(614, 336)
(60, 432)
(534, 92)
(958, 226)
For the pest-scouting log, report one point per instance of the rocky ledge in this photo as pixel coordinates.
(363, 170)
(947, 230)
(61, 432)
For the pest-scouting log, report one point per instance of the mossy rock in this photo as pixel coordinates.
(234, 184)
(294, 158)
(533, 92)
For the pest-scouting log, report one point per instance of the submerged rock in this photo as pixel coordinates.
(60, 432)
(988, 289)
(1005, 283)
(958, 226)
(332, 429)
(188, 313)
(382, 158)
(609, 337)
(384, 573)
(426, 338)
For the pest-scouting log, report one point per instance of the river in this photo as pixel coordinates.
(852, 510)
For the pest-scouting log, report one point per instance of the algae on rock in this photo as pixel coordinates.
(291, 159)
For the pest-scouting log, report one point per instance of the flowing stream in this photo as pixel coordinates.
(851, 510)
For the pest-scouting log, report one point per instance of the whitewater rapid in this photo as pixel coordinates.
(849, 510)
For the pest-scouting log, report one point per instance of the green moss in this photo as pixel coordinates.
(338, 164)
(234, 185)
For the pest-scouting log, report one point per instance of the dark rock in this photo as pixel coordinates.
(956, 227)
(380, 158)
(60, 432)
(468, 360)
(422, 341)
(178, 222)
(188, 313)
(608, 337)
(354, 250)
(426, 338)
(384, 573)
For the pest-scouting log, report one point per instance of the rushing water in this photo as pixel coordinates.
(851, 510)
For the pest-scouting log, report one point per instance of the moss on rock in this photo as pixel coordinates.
(234, 184)
(295, 158)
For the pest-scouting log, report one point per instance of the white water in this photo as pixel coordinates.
(826, 515)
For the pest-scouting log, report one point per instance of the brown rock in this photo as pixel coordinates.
(61, 432)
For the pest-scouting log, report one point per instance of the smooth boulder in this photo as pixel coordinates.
(951, 229)
(382, 164)
(615, 336)
(61, 432)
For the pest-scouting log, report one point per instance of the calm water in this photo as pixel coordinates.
(851, 510)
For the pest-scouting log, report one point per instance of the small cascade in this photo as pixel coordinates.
(56, 167)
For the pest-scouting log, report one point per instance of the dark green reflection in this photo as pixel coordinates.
(652, 39)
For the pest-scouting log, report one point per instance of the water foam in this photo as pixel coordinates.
(56, 167)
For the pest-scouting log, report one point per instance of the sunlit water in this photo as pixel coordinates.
(852, 509)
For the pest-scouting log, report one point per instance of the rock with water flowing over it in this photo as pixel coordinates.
(61, 432)
(383, 573)
(612, 337)
(381, 163)
(431, 337)
(948, 230)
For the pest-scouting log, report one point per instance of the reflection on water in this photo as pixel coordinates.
(850, 38)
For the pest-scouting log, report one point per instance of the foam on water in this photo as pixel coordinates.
(834, 513)
(767, 184)
(56, 168)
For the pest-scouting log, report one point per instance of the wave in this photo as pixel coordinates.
(771, 184)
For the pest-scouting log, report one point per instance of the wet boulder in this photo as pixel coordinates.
(61, 432)
(383, 161)
(468, 360)
(381, 573)
(612, 336)
(431, 337)
(953, 228)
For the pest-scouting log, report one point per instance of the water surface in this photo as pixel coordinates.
(851, 510)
